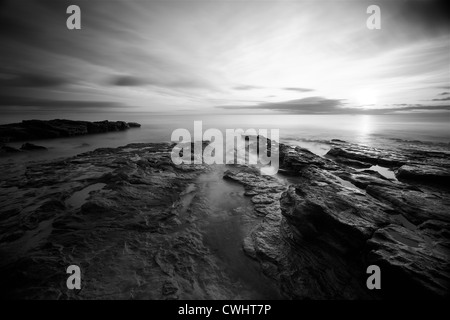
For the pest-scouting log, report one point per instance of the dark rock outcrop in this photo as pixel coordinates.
(416, 205)
(8, 149)
(334, 221)
(134, 125)
(424, 173)
(413, 264)
(321, 207)
(40, 129)
(293, 159)
(364, 154)
(31, 147)
(116, 213)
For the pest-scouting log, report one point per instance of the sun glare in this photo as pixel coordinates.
(367, 98)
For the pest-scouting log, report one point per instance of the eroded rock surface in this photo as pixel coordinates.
(141, 227)
(113, 212)
(333, 221)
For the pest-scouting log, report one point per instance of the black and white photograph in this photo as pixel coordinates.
(226, 150)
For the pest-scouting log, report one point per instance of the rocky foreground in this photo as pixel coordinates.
(58, 128)
(141, 227)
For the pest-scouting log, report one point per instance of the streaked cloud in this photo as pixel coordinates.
(299, 89)
(172, 55)
(319, 105)
(13, 102)
(314, 105)
(247, 87)
(128, 81)
(32, 80)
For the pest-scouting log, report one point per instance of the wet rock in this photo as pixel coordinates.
(262, 187)
(321, 208)
(293, 159)
(134, 125)
(32, 147)
(41, 129)
(411, 266)
(170, 287)
(337, 221)
(362, 179)
(438, 233)
(366, 154)
(112, 233)
(352, 163)
(303, 269)
(8, 149)
(417, 206)
(132, 220)
(425, 173)
(267, 209)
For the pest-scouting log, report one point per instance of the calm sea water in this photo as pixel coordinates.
(429, 131)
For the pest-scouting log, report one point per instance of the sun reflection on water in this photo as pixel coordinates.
(364, 128)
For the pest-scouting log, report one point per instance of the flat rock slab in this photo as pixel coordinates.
(424, 173)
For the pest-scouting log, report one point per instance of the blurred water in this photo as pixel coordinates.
(430, 131)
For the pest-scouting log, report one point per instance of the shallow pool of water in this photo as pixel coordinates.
(79, 198)
(228, 221)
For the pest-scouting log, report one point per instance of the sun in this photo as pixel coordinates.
(367, 98)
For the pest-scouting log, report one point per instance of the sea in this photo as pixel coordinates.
(425, 131)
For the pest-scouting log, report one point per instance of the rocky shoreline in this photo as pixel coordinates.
(141, 227)
(57, 128)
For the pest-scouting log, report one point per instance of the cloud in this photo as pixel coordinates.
(247, 87)
(443, 99)
(186, 55)
(320, 105)
(250, 87)
(310, 105)
(13, 102)
(128, 81)
(444, 93)
(299, 89)
(168, 81)
(32, 80)
(417, 107)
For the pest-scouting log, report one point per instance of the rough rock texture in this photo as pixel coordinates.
(424, 173)
(304, 269)
(138, 226)
(141, 227)
(415, 204)
(293, 159)
(334, 221)
(364, 178)
(365, 155)
(110, 212)
(321, 207)
(40, 129)
(414, 264)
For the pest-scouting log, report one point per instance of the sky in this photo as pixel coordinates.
(216, 57)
